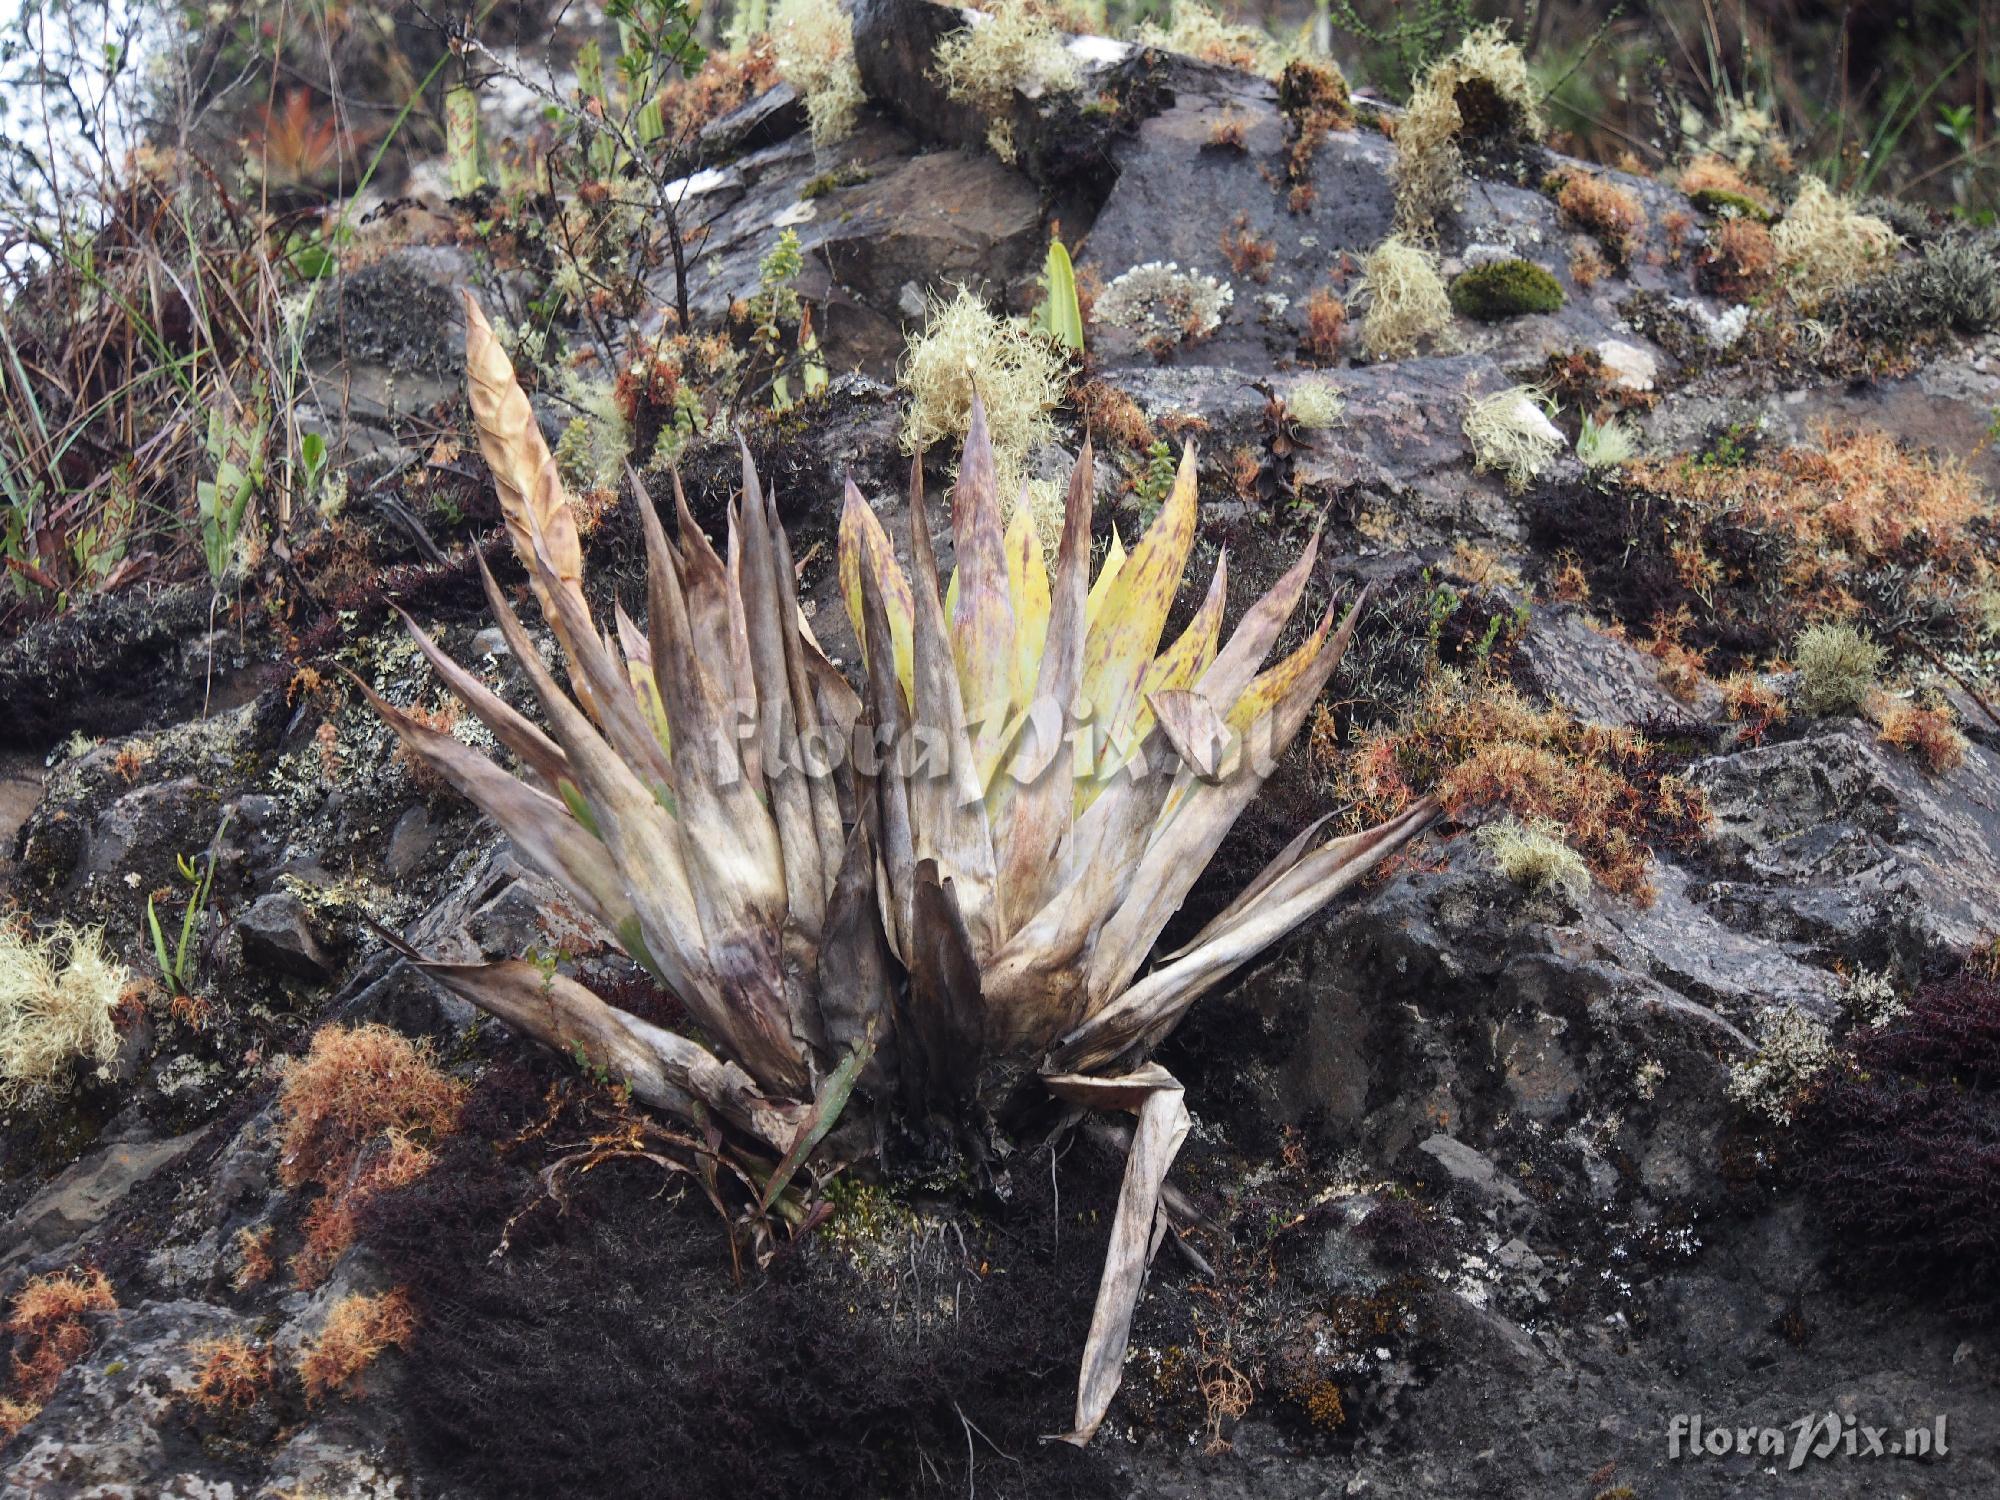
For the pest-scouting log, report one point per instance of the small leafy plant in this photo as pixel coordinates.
(177, 968)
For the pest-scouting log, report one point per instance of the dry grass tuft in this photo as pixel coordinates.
(1750, 701)
(58, 997)
(49, 1336)
(814, 40)
(352, 1112)
(357, 1332)
(1826, 245)
(1012, 49)
(1405, 297)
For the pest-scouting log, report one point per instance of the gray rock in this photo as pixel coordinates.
(1469, 1167)
(277, 934)
(78, 1199)
(1846, 847)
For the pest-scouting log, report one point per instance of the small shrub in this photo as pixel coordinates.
(58, 995)
(1837, 666)
(1505, 289)
(1926, 733)
(1326, 324)
(814, 42)
(1512, 435)
(1315, 403)
(1020, 375)
(1794, 1050)
(1610, 214)
(1405, 297)
(1896, 1146)
(1163, 306)
(46, 1325)
(1535, 858)
(1826, 245)
(1012, 50)
(357, 1332)
(1479, 96)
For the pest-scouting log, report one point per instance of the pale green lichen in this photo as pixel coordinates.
(1837, 666)
(58, 996)
(1535, 858)
(1404, 298)
(1795, 1049)
(1315, 403)
(964, 347)
(1007, 50)
(814, 41)
(1511, 434)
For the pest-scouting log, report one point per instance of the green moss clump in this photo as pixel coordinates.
(839, 177)
(1716, 202)
(1505, 289)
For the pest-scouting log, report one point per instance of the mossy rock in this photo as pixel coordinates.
(1505, 289)
(1718, 202)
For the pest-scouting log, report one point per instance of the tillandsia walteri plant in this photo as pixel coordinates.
(910, 925)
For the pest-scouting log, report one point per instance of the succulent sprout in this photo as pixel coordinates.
(941, 937)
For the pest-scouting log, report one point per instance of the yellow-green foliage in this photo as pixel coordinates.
(1010, 49)
(1197, 31)
(815, 46)
(1606, 444)
(1511, 433)
(1826, 245)
(964, 346)
(57, 996)
(1837, 666)
(1534, 857)
(592, 449)
(1480, 92)
(1405, 296)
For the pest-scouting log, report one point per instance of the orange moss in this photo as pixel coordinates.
(49, 1336)
(1326, 325)
(350, 1110)
(253, 1249)
(1926, 733)
(1246, 253)
(726, 81)
(357, 1331)
(1712, 174)
(234, 1374)
(1244, 468)
(1682, 669)
(1740, 259)
(1229, 132)
(1587, 266)
(1749, 701)
(1569, 584)
(1112, 416)
(1609, 213)
(1484, 747)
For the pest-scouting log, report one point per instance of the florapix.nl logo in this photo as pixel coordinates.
(1822, 1435)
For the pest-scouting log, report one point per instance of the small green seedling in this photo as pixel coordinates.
(177, 970)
